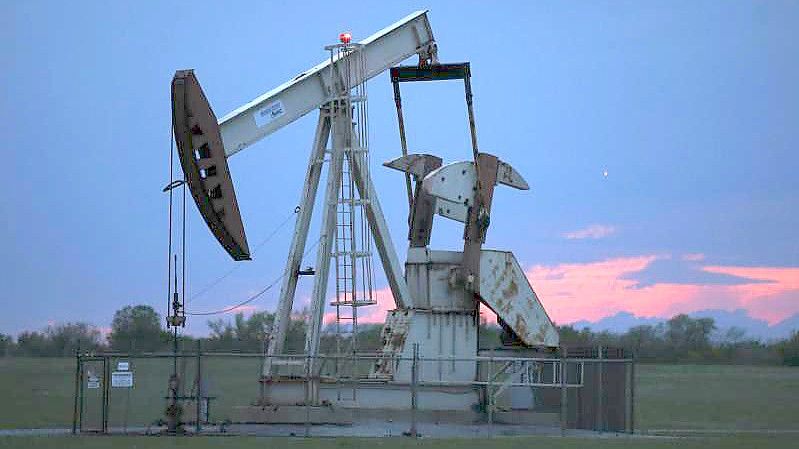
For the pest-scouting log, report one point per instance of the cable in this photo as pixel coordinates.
(183, 254)
(245, 302)
(255, 296)
(169, 250)
(216, 281)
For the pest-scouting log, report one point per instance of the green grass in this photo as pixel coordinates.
(38, 392)
(717, 397)
(742, 442)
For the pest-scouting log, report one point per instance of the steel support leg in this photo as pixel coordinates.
(328, 233)
(298, 241)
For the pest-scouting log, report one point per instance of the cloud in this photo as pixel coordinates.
(774, 297)
(367, 314)
(665, 270)
(693, 257)
(594, 290)
(652, 285)
(595, 231)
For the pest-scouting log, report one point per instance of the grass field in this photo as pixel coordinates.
(38, 393)
(716, 397)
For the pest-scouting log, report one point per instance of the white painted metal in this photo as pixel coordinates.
(428, 274)
(328, 232)
(505, 289)
(410, 163)
(353, 241)
(321, 85)
(451, 210)
(298, 240)
(282, 105)
(441, 318)
(510, 177)
(453, 182)
(453, 186)
(441, 335)
(448, 340)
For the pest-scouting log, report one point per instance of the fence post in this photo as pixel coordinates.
(414, 393)
(600, 415)
(106, 391)
(77, 391)
(628, 406)
(490, 393)
(80, 404)
(198, 392)
(307, 395)
(563, 393)
(632, 394)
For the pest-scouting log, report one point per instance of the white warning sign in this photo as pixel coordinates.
(122, 379)
(269, 113)
(92, 382)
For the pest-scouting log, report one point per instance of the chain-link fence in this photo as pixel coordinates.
(584, 388)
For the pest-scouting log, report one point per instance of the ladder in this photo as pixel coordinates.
(352, 243)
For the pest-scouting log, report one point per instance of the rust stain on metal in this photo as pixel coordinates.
(506, 290)
(511, 291)
(521, 325)
(393, 336)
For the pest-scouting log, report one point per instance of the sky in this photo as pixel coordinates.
(659, 138)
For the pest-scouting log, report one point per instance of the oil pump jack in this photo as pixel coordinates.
(438, 295)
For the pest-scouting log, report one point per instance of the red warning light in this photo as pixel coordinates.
(345, 37)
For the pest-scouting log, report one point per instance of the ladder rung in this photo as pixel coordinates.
(358, 303)
(351, 253)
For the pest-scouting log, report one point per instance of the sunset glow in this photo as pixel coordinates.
(594, 290)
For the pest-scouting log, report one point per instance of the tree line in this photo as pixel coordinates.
(681, 339)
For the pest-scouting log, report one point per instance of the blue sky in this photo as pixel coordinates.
(692, 108)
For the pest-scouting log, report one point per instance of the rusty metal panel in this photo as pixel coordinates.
(447, 346)
(430, 277)
(205, 168)
(393, 337)
(422, 204)
(505, 289)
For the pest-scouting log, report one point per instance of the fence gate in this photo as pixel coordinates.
(93, 394)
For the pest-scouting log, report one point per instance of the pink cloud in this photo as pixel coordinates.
(773, 300)
(594, 290)
(693, 257)
(596, 231)
(368, 314)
